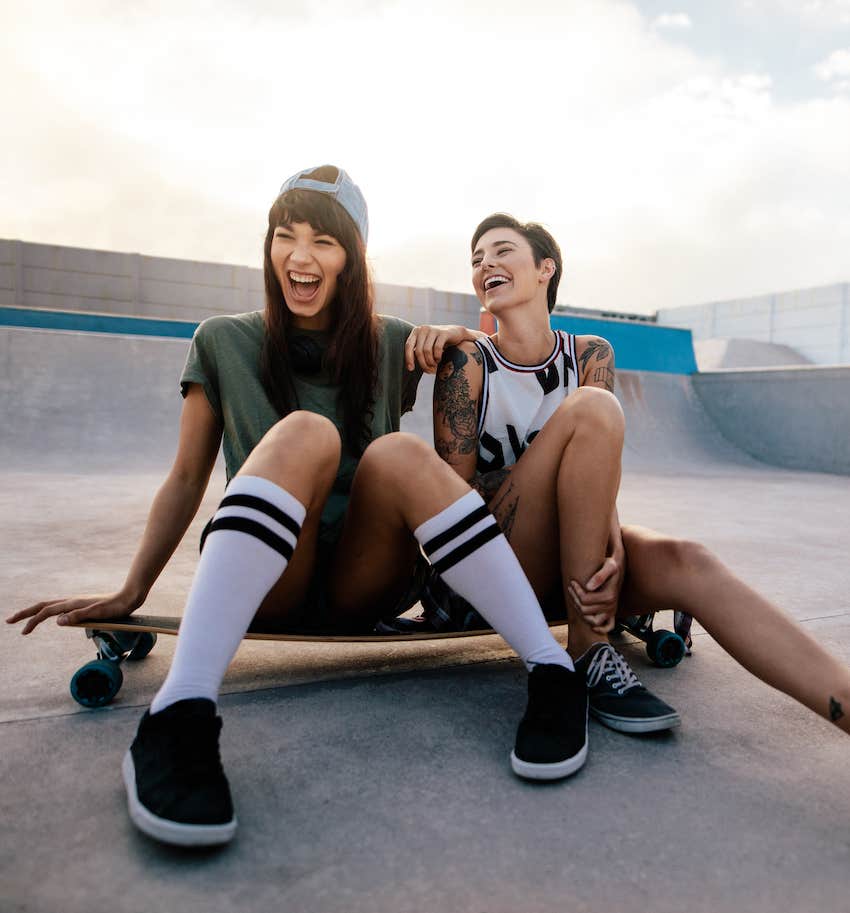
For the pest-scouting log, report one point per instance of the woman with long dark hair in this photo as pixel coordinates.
(326, 510)
(522, 416)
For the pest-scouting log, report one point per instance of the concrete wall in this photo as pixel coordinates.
(794, 417)
(50, 277)
(814, 322)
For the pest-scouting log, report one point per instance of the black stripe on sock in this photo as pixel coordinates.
(265, 507)
(454, 531)
(257, 530)
(468, 547)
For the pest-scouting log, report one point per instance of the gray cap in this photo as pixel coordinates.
(343, 190)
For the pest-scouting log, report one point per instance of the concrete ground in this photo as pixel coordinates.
(376, 777)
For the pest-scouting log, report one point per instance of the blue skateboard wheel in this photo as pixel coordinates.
(96, 683)
(665, 648)
(142, 647)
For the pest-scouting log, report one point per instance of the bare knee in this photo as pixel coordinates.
(591, 410)
(398, 457)
(312, 438)
(680, 557)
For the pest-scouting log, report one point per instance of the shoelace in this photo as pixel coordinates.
(616, 670)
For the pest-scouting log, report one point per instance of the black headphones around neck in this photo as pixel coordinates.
(306, 355)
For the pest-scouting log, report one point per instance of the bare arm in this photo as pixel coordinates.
(457, 389)
(172, 510)
(596, 369)
(595, 362)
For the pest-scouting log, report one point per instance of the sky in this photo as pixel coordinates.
(680, 152)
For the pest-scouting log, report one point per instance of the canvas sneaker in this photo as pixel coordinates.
(551, 741)
(617, 698)
(176, 788)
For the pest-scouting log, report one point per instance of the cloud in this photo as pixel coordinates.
(811, 14)
(835, 70)
(668, 177)
(678, 21)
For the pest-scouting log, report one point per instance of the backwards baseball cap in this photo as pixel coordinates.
(343, 190)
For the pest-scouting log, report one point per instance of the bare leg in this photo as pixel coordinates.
(555, 507)
(400, 483)
(402, 487)
(673, 574)
(301, 455)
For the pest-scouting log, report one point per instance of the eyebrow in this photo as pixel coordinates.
(477, 250)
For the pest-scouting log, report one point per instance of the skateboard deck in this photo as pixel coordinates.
(168, 624)
(96, 683)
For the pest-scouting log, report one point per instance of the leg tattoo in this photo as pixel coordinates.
(835, 711)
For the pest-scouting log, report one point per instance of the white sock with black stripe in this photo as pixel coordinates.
(247, 548)
(466, 547)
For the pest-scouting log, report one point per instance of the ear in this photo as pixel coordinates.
(547, 269)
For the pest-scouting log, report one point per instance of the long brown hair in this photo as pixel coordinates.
(352, 352)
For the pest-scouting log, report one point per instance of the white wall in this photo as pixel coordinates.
(815, 321)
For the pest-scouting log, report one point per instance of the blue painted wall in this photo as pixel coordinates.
(638, 346)
(94, 323)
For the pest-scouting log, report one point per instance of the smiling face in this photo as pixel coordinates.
(504, 274)
(307, 265)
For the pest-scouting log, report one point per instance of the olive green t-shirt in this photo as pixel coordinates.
(224, 359)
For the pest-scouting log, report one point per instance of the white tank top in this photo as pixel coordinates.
(517, 400)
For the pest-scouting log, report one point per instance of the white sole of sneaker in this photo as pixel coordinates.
(170, 831)
(625, 724)
(557, 771)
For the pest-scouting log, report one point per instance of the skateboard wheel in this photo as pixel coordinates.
(665, 649)
(96, 683)
(142, 647)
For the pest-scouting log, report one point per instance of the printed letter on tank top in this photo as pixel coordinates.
(517, 400)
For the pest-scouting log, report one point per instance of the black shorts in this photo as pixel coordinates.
(315, 610)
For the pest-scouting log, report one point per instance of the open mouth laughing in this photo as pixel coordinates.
(494, 282)
(304, 286)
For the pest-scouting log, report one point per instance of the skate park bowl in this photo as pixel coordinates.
(93, 392)
(372, 777)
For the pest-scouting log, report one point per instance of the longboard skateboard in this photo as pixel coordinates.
(96, 683)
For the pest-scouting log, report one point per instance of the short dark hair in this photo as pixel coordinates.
(542, 243)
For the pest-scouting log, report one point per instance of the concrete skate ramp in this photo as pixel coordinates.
(728, 354)
(85, 402)
(795, 417)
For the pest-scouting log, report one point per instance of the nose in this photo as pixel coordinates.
(300, 253)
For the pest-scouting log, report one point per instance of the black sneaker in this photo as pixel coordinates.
(617, 698)
(551, 741)
(176, 788)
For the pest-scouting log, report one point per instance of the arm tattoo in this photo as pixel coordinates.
(488, 483)
(598, 350)
(504, 510)
(453, 401)
(835, 711)
(604, 376)
(596, 347)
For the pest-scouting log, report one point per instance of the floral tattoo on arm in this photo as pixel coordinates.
(597, 364)
(454, 403)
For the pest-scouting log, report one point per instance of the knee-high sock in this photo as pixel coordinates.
(466, 547)
(248, 546)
